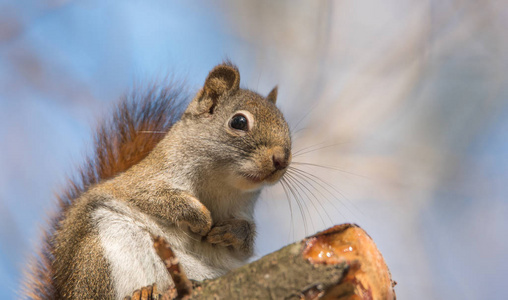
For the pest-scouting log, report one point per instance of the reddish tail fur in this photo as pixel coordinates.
(138, 124)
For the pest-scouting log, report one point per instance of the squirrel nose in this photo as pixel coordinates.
(280, 161)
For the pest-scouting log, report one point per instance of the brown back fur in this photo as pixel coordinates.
(139, 122)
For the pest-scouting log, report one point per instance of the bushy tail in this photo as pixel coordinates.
(137, 124)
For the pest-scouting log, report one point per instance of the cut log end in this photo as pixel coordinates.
(368, 276)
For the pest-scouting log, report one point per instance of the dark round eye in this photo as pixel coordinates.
(239, 122)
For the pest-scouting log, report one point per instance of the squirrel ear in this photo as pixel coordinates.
(272, 96)
(222, 79)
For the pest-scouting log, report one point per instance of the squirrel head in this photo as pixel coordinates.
(242, 133)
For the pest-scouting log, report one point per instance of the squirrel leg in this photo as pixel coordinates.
(90, 276)
(236, 233)
(178, 207)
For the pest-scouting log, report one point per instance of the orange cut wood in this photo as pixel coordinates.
(368, 276)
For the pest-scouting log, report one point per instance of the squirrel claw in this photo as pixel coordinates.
(202, 229)
(146, 293)
(229, 233)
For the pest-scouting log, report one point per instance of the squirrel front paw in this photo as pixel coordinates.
(234, 232)
(198, 220)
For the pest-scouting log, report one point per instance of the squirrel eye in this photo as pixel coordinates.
(239, 122)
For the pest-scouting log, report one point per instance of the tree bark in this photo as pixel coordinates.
(342, 262)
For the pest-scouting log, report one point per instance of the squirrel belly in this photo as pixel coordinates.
(125, 236)
(195, 185)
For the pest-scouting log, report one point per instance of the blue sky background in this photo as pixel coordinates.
(408, 96)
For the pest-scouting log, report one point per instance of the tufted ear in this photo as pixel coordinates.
(272, 96)
(222, 79)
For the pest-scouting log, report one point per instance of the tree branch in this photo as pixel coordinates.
(342, 262)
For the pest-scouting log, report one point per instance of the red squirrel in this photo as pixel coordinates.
(193, 180)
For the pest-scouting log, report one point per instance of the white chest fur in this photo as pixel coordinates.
(125, 236)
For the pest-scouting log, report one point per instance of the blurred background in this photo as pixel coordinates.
(398, 109)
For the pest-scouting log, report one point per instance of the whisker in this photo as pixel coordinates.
(297, 189)
(151, 131)
(329, 168)
(298, 131)
(312, 182)
(320, 182)
(303, 117)
(300, 207)
(292, 224)
(295, 153)
(299, 153)
(301, 185)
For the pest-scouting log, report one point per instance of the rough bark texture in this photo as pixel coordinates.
(339, 263)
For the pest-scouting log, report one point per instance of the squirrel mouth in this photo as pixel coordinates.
(253, 177)
(258, 178)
